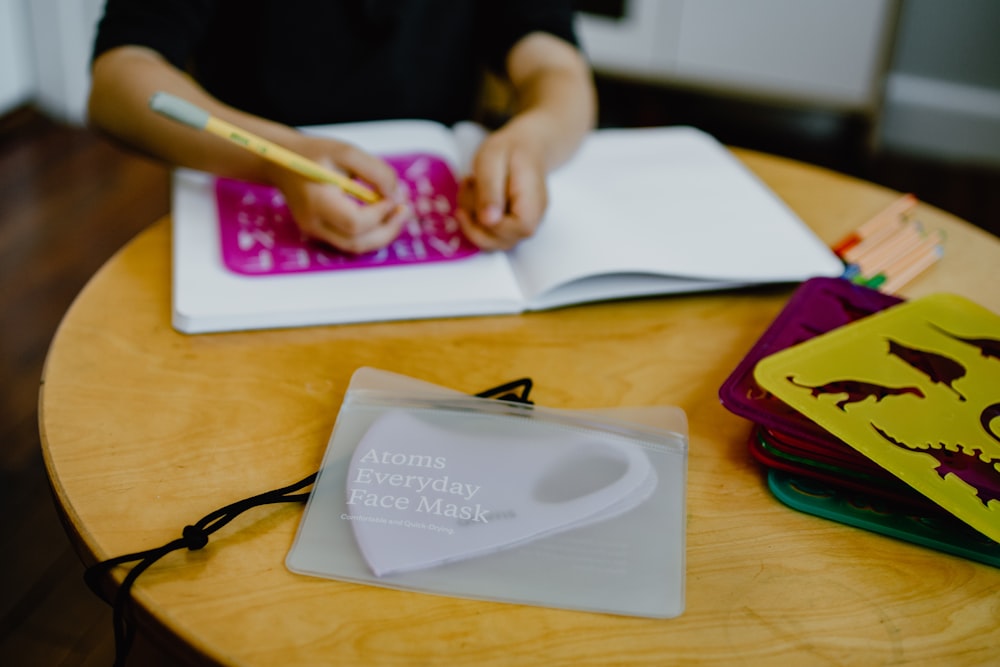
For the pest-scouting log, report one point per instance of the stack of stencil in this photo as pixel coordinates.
(814, 470)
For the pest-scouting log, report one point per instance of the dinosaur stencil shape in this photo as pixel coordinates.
(968, 466)
(938, 367)
(856, 390)
(986, 417)
(988, 347)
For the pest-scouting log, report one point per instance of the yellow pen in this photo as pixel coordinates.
(184, 112)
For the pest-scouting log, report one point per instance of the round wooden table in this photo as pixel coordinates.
(146, 430)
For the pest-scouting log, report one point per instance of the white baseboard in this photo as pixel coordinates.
(941, 119)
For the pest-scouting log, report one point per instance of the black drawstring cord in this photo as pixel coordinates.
(506, 391)
(195, 537)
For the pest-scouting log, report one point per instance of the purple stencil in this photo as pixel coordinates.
(259, 237)
(819, 305)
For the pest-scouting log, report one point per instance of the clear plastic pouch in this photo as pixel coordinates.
(426, 489)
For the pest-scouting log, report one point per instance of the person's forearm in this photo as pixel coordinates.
(554, 92)
(124, 79)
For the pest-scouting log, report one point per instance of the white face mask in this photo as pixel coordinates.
(421, 495)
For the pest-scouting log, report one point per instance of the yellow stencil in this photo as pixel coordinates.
(915, 388)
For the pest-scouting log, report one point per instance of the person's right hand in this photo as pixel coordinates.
(326, 213)
(125, 78)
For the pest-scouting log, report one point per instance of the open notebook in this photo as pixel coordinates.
(636, 212)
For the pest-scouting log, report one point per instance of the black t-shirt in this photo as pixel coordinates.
(308, 62)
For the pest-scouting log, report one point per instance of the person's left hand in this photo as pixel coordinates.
(504, 199)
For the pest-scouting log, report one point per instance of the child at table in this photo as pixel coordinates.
(271, 65)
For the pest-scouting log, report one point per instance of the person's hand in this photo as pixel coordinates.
(503, 200)
(326, 213)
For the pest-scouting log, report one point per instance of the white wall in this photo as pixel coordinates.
(62, 34)
(45, 54)
(828, 54)
(17, 73)
(943, 93)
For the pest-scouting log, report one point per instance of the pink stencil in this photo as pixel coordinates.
(259, 237)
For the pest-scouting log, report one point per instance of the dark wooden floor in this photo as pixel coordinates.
(68, 200)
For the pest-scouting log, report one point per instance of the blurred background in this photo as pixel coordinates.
(881, 89)
(923, 74)
(904, 93)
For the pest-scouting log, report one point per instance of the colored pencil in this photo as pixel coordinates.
(184, 112)
(872, 240)
(919, 265)
(902, 241)
(892, 213)
(908, 267)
